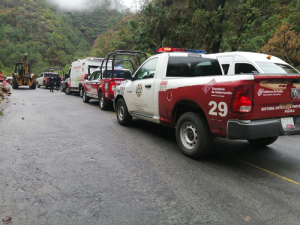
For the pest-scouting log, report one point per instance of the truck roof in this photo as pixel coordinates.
(250, 56)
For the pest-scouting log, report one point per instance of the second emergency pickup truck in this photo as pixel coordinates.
(190, 91)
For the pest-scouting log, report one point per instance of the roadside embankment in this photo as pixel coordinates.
(4, 94)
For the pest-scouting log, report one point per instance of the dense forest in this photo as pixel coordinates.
(269, 26)
(54, 38)
(50, 37)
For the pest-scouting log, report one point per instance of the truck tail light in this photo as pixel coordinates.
(69, 83)
(112, 86)
(242, 100)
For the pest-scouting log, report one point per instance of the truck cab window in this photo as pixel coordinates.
(92, 76)
(96, 75)
(147, 70)
(192, 67)
(225, 68)
(244, 68)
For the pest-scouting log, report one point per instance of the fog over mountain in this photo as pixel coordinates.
(89, 5)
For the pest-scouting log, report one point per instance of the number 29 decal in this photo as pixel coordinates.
(220, 109)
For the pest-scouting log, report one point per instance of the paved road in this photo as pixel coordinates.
(67, 162)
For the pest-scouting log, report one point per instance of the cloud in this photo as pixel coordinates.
(85, 5)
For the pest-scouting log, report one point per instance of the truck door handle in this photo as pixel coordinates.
(148, 86)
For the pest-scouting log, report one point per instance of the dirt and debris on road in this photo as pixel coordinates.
(7, 220)
(4, 93)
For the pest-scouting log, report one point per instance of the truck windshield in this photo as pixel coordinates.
(192, 67)
(269, 67)
(117, 74)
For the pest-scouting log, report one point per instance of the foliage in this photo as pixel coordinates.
(285, 44)
(55, 38)
(50, 37)
(219, 25)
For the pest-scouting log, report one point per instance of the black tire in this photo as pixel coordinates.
(46, 86)
(85, 98)
(15, 84)
(261, 142)
(103, 103)
(81, 90)
(67, 91)
(38, 86)
(33, 86)
(193, 135)
(123, 115)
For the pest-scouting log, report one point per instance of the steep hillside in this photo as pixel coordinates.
(94, 23)
(220, 25)
(49, 36)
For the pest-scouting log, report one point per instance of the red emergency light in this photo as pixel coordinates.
(169, 49)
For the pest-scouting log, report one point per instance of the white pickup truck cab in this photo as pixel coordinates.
(247, 96)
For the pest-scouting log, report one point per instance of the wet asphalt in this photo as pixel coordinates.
(67, 162)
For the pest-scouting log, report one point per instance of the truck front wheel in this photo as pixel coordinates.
(85, 98)
(261, 142)
(123, 115)
(81, 90)
(193, 135)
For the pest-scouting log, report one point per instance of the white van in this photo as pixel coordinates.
(249, 62)
(80, 69)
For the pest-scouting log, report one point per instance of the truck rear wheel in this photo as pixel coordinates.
(103, 103)
(261, 142)
(14, 84)
(123, 115)
(67, 91)
(193, 135)
(85, 98)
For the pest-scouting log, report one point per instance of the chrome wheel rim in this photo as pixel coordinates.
(101, 102)
(84, 96)
(121, 112)
(189, 135)
(80, 93)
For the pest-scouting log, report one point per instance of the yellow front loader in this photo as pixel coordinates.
(22, 75)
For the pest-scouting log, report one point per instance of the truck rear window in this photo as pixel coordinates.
(117, 74)
(270, 67)
(192, 67)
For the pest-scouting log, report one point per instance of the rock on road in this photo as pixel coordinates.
(66, 162)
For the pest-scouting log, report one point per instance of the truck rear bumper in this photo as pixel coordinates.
(255, 129)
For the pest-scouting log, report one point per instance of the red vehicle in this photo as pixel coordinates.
(238, 95)
(103, 81)
(43, 79)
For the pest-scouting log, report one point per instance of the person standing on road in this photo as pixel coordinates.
(52, 82)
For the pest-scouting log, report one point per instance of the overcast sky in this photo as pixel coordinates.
(83, 5)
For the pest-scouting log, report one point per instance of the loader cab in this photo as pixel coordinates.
(19, 69)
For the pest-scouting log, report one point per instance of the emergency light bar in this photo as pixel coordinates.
(169, 49)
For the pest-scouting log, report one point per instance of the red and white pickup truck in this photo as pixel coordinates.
(102, 86)
(102, 83)
(237, 95)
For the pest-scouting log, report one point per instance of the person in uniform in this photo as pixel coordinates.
(52, 82)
